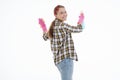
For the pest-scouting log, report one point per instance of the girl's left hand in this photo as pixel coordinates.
(81, 18)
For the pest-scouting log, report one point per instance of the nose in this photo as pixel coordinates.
(65, 14)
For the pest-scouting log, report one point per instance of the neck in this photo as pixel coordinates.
(59, 20)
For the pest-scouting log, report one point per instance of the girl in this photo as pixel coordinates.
(62, 44)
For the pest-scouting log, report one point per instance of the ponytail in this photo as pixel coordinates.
(50, 32)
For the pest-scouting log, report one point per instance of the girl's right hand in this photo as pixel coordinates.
(42, 24)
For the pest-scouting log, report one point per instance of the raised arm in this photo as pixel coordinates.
(71, 29)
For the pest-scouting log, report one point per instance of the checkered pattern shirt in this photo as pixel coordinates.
(62, 44)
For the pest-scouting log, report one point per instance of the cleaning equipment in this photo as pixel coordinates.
(81, 20)
(43, 25)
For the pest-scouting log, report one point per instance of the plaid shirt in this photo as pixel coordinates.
(62, 44)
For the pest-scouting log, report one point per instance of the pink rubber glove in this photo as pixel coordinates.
(81, 18)
(43, 25)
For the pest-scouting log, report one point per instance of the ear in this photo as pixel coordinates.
(55, 15)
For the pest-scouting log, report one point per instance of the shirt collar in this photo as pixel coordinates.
(58, 20)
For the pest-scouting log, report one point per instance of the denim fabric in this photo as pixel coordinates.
(66, 69)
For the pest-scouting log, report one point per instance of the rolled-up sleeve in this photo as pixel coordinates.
(45, 36)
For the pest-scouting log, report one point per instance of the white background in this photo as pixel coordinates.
(24, 55)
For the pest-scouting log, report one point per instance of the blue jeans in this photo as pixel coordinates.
(66, 69)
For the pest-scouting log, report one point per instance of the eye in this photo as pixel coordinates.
(65, 12)
(61, 13)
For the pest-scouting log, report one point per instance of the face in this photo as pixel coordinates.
(61, 14)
